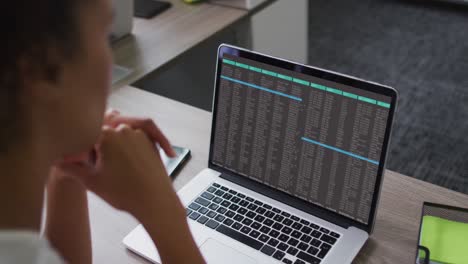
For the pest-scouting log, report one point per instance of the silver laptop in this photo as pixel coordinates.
(295, 167)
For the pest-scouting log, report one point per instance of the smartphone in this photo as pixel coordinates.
(174, 164)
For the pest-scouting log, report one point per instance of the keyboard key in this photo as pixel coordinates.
(278, 218)
(221, 210)
(274, 233)
(256, 226)
(236, 226)
(234, 207)
(247, 221)
(292, 251)
(252, 207)
(259, 218)
(219, 193)
(308, 258)
(239, 237)
(188, 212)
(313, 251)
(269, 214)
(324, 230)
(194, 216)
(306, 230)
(203, 210)
(283, 237)
(315, 243)
(325, 246)
(295, 218)
(227, 196)
(212, 224)
(202, 201)
(277, 226)
(328, 239)
(314, 226)
(219, 218)
(251, 214)
(322, 253)
(217, 200)
(213, 206)
(238, 217)
(297, 226)
(273, 242)
(232, 192)
(244, 203)
(194, 206)
(224, 188)
(225, 203)
(296, 234)
(287, 261)
(228, 222)
(207, 196)
(211, 214)
(286, 230)
(249, 199)
(306, 238)
(268, 222)
(257, 202)
(263, 238)
(260, 210)
(299, 261)
(316, 234)
(335, 235)
(287, 222)
(216, 185)
(285, 214)
(267, 206)
(276, 210)
(282, 246)
(246, 230)
(202, 220)
(293, 242)
(279, 255)
(230, 214)
(303, 246)
(241, 195)
(211, 189)
(254, 234)
(242, 211)
(235, 200)
(265, 229)
(267, 250)
(305, 222)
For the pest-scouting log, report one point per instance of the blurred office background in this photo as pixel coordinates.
(418, 47)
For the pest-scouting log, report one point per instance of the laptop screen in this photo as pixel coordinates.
(312, 138)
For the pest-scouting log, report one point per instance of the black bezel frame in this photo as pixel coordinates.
(308, 207)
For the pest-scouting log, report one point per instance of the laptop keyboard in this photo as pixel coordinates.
(261, 226)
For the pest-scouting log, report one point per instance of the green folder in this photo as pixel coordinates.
(446, 240)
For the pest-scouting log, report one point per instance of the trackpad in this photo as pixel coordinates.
(216, 252)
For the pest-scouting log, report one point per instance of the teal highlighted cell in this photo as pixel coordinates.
(350, 95)
(386, 105)
(335, 91)
(229, 62)
(245, 66)
(269, 73)
(285, 77)
(301, 81)
(252, 68)
(367, 100)
(318, 86)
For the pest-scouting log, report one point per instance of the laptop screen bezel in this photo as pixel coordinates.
(337, 218)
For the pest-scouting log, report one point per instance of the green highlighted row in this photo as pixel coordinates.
(306, 83)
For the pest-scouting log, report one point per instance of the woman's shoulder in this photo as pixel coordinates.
(26, 247)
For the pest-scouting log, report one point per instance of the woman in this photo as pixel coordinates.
(54, 80)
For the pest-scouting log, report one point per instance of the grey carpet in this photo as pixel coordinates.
(421, 49)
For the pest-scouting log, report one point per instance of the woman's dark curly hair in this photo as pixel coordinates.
(30, 31)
